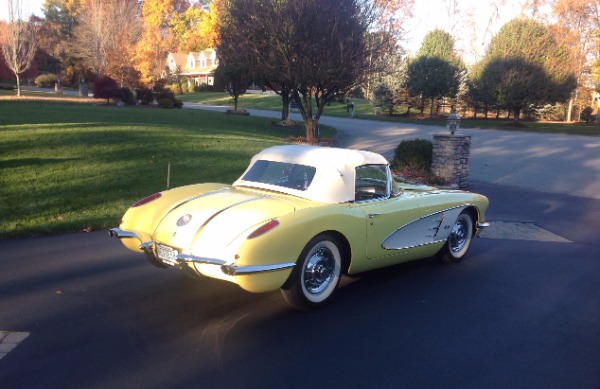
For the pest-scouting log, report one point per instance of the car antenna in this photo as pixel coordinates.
(168, 174)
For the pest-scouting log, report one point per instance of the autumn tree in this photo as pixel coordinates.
(576, 23)
(315, 48)
(17, 42)
(105, 35)
(187, 29)
(157, 39)
(212, 21)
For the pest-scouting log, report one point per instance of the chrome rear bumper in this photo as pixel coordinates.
(231, 269)
(119, 233)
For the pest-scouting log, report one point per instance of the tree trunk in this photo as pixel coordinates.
(285, 108)
(18, 84)
(311, 131)
(517, 113)
(235, 101)
(569, 110)
(431, 108)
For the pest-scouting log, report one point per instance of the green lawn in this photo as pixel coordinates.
(68, 167)
(364, 110)
(71, 164)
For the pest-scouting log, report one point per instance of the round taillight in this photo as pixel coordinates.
(147, 200)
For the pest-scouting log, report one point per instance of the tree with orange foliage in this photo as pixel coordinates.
(186, 28)
(105, 37)
(157, 39)
(213, 20)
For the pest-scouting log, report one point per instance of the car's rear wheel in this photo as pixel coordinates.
(316, 275)
(459, 241)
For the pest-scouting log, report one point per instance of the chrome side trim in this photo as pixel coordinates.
(483, 225)
(425, 230)
(234, 270)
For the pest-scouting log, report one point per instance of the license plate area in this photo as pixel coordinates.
(167, 254)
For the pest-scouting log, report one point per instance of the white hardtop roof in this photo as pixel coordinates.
(335, 170)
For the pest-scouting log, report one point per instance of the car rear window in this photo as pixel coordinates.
(287, 175)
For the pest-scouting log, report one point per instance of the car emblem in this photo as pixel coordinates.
(185, 219)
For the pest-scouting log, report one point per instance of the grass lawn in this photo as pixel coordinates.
(68, 167)
(364, 110)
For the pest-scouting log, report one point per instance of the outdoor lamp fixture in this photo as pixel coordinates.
(453, 122)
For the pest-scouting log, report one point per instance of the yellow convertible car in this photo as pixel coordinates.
(297, 219)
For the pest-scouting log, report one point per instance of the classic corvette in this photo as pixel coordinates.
(297, 219)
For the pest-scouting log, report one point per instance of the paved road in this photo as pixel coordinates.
(517, 312)
(513, 314)
(555, 163)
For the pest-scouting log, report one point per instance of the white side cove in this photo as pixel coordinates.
(426, 230)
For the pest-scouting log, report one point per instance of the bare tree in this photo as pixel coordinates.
(105, 35)
(18, 42)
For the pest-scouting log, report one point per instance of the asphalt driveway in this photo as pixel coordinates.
(552, 163)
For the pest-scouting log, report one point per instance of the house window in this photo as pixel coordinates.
(203, 62)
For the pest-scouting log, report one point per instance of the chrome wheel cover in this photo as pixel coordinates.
(321, 271)
(460, 235)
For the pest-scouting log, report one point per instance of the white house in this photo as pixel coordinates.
(197, 67)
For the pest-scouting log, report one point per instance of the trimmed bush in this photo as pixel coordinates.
(46, 80)
(586, 114)
(165, 103)
(416, 154)
(203, 88)
(127, 96)
(144, 96)
(166, 94)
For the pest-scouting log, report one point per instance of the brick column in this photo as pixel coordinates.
(451, 158)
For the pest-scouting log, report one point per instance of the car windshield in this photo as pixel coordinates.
(287, 175)
(371, 183)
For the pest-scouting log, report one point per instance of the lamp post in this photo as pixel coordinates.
(453, 122)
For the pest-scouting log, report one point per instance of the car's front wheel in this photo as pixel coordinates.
(459, 241)
(317, 274)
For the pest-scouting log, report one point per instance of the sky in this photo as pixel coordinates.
(468, 21)
(472, 23)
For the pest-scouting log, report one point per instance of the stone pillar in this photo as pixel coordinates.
(450, 159)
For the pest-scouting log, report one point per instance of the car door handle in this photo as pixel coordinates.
(372, 215)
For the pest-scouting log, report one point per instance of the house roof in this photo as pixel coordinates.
(183, 60)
